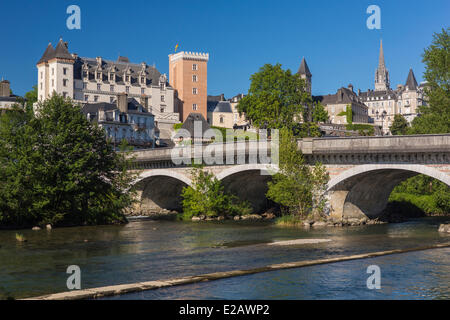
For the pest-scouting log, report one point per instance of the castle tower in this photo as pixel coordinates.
(381, 74)
(188, 75)
(55, 71)
(305, 74)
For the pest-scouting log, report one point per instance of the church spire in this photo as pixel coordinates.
(381, 74)
(381, 59)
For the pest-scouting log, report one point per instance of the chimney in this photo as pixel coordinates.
(222, 97)
(350, 86)
(359, 92)
(4, 88)
(122, 102)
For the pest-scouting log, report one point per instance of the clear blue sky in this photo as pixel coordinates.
(240, 36)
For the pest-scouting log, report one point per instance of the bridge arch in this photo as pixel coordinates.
(363, 191)
(160, 189)
(249, 183)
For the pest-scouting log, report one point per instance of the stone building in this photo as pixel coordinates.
(188, 75)
(336, 105)
(384, 103)
(239, 120)
(7, 100)
(220, 113)
(95, 80)
(124, 118)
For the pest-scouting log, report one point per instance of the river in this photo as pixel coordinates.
(157, 250)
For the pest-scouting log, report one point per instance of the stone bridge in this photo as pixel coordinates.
(363, 170)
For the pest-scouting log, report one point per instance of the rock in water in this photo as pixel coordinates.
(444, 228)
(36, 228)
(49, 227)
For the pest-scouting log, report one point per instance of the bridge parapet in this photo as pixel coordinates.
(384, 144)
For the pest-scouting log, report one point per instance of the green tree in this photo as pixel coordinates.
(58, 168)
(31, 97)
(435, 116)
(399, 126)
(276, 98)
(207, 197)
(297, 187)
(319, 114)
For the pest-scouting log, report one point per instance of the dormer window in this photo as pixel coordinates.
(127, 78)
(112, 77)
(99, 75)
(142, 80)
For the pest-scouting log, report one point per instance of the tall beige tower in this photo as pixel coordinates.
(188, 75)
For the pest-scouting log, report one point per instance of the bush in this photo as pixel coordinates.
(207, 197)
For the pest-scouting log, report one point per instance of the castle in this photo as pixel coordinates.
(378, 106)
(96, 80)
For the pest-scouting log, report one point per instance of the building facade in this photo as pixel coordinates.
(95, 80)
(7, 100)
(124, 118)
(188, 75)
(336, 106)
(384, 103)
(220, 113)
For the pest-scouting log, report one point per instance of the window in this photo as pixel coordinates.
(162, 109)
(111, 77)
(142, 80)
(53, 71)
(65, 94)
(194, 106)
(194, 67)
(99, 75)
(95, 98)
(64, 71)
(111, 88)
(127, 89)
(65, 82)
(163, 98)
(111, 99)
(86, 97)
(194, 91)
(41, 85)
(99, 87)
(84, 74)
(142, 90)
(53, 82)
(221, 119)
(127, 78)
(194, 78)
(42, 75)
(84, 85)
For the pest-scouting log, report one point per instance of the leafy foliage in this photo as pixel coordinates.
(435, 116)
(58, 168)
(426, 193)
(399, 126)
(298, 188)
(207, 197)
(276, 98)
